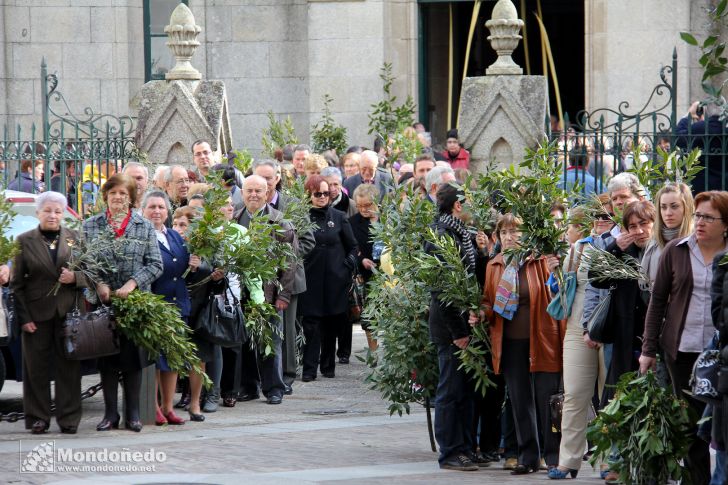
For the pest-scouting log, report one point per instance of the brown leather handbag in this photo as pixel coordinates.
(90, 335)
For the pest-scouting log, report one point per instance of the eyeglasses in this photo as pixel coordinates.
(182, 181)
(706, 218)
(603, 217)
(320, 194)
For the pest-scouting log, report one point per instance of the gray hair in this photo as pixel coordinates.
(266, 162)
(626, 180)
(50, 197)
(331, 172)
(434, 176)
(168, 176)
(155, 194)
(136, 164)
(371, 156)
(302, 148)
(366, 190)
(712, 109)
(161, 169)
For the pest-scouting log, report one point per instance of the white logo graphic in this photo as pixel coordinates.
(41, 459)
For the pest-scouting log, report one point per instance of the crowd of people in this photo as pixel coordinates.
(677, 238)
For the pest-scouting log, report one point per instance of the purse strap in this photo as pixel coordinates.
(578, 257)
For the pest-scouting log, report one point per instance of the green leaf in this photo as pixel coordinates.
(689, 38)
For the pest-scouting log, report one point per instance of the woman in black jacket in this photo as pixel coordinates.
(329, 268)
(365, 197)
(628, 308)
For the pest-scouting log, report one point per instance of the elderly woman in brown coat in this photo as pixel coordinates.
(40, 265)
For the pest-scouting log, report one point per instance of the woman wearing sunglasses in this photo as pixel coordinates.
(329, 268)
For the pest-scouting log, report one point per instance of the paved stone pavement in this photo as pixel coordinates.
(256, 443)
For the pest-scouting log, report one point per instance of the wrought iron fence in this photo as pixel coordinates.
(70, 153)
(600, 143)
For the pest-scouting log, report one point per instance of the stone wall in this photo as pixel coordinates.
(96, 47)
(628, 41)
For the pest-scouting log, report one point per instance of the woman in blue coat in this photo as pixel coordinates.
(171, 285)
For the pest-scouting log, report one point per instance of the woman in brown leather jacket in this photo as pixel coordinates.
(526, 344)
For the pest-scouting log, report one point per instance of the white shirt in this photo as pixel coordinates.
(162, 237)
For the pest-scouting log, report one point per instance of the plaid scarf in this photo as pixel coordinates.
(466, 239)
(506, 296)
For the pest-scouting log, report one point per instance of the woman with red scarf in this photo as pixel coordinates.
(137, 265)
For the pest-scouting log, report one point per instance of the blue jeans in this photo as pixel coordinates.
(719, 477)
(454, 405)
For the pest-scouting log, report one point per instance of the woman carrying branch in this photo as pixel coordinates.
(526, 344)
(41, 264)
(171, 284)
(681, 308)
(583, 362)
(137, 266)
(626, 317)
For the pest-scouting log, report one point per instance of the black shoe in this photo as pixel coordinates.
(39, 427)
(248, 396)
(135, 426)
(479, 460)
(197, 417)
(330, 375)
(68, 429)
(459, 462)
(275, 399)
(308, 378)
(287, 389)
(107, 424)
(343, 360)
(524, 469)
(184, 402)
(491, 456)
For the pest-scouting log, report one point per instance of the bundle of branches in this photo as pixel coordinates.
(605, 266)
(241, 159)
(445, 273)
(278, 134)
(478, 192)
(156, 326)
(396, 307)
(326, 134)
(207, 233)
(649, 426)
(297, 210)
(8, 245)
(258, 255)
(403, 148)
(530, 192)
(674, 166)
(97, 258)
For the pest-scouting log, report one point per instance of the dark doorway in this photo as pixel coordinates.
(564, 23)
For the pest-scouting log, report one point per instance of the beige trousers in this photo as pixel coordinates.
(583, 368)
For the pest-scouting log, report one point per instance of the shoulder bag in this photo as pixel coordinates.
(598, 324)
(560, 306)
(90, 335)
(705, 376)
(222, 321)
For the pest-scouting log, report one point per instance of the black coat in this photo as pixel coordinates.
(626, 318)
(447, 323)
(329, 266)
(361, 227)
(719, 298)
(712, 131)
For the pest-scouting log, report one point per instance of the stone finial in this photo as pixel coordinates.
(504, 36)
(182, 33)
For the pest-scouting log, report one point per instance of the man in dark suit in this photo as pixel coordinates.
(370, 175)
(270, 171)
(705, 128)
(256, 368)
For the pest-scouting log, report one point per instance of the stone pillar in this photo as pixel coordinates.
(503, 112)
(182, 109)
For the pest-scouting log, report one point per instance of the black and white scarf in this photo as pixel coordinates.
(466, 239)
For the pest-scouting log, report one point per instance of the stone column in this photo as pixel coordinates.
(503, 112)
(182, 109)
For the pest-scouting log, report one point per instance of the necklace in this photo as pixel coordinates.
(51, 244)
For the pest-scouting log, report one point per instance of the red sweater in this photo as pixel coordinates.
(461, 160)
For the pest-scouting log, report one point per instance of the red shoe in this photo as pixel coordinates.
(160, 420)
(173, 418)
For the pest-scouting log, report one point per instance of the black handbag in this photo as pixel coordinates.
(222, 322)
(705, 377)
(356, 298)
(598, 324)
(556, 407)
(90, 335)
